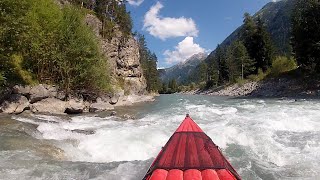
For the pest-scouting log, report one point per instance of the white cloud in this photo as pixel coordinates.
(183, 51)
(166, 27)
(135, 2)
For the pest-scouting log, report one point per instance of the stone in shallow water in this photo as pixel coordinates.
(100, 106)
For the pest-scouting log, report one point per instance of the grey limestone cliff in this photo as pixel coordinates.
(122, 53)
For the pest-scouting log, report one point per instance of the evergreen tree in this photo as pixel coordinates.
(213, 72)
(203, 72)
(238, 61)
(164, 88)
(258, 42)
(220, 60)
(306, 34)
(148, 62)
(265, 48)
(172, 86)
(248, 36)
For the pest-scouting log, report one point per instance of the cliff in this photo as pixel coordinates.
(122, 54)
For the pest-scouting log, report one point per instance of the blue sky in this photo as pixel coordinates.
(177, 29)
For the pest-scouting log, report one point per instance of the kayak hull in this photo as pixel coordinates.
(190, 154)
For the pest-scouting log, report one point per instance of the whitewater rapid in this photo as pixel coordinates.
(263, 139)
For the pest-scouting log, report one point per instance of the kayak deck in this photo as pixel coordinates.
(191, 174)
(190, 154)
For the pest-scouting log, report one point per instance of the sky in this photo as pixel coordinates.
(177, 29)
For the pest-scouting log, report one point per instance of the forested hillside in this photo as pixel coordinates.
(281, 37)
(276, 17)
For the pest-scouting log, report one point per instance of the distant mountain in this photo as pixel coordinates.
(276, 16)
(182, 71)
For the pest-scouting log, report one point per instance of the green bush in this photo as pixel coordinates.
(240, 81)
(282, 64)
(81, 65)
(40, 42)
(258, 77)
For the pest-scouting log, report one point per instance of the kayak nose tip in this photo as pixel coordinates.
(187, 115)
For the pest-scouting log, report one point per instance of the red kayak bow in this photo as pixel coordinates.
(190, 155)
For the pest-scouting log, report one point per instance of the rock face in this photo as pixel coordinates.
(123, 57)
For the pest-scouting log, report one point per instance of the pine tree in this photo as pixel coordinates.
(148, 62)
(220, 60)
(265, 48)
(306, 34)
(203, 72)
(238, 61)
(258, 42)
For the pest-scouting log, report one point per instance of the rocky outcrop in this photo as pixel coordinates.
(122, 52)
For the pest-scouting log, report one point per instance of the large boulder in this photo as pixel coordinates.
(14, 104)
(42, 91)
(75, 106)
(49, 105)
(36, 93)
(19, 89)
(114, 99)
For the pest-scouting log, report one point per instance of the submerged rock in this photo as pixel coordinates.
(113, 113)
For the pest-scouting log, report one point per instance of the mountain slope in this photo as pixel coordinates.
(276, 16)
(182, 71)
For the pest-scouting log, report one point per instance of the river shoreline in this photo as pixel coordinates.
(270, 88)
(47, 99)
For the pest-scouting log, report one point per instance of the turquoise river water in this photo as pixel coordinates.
(263, 139)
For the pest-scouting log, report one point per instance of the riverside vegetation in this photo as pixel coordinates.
(50, 42)
(252, 54)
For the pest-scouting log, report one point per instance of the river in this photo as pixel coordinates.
(263, 139)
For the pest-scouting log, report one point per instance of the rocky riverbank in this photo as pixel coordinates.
(48, 99)
(274, 87)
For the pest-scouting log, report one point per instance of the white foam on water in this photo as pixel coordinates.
(251, 125)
